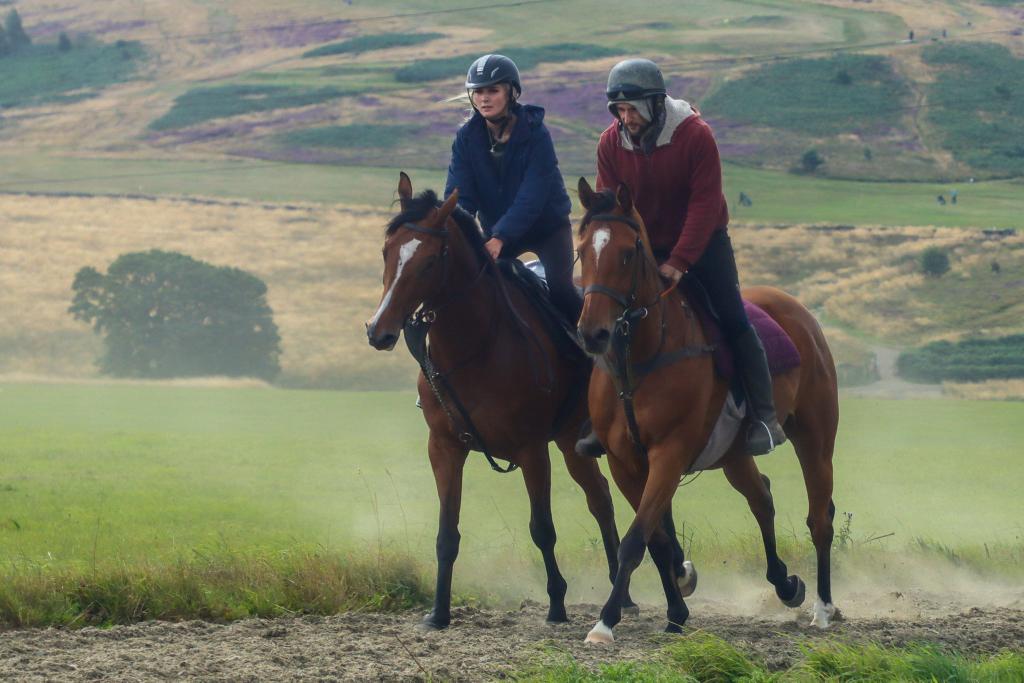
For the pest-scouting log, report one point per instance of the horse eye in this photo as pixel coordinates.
(627, 258)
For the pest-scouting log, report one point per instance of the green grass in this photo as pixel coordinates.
(526, 58)
(362, 135)
(704, 657)
(41, 73)
(977, 104)
(149, 472)
(816, 97)
(382, 41)
(778, 197)
(204, 104)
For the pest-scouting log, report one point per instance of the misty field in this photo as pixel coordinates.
(93, 474)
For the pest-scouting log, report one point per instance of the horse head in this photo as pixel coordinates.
(616, 261)
(415, 248)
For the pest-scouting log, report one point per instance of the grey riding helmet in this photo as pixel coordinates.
(633, 80)
(491, 70)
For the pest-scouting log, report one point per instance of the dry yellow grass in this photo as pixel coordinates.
(322, 266)
(992, 390)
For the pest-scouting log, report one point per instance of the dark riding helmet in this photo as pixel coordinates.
(491, 70)
(634, 79)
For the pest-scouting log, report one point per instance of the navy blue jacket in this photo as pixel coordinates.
(524, 199)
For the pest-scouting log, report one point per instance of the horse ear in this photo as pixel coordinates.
(586, 193)
(624, 198)
(446, 209)
(404, 189)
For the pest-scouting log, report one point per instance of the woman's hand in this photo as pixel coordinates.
(494, 247)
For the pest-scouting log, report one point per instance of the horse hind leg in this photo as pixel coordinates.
(743, 475)
(815, 453)
(536, 468)
(686, 573)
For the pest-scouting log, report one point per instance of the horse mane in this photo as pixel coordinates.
(419, 207)
(605, 202)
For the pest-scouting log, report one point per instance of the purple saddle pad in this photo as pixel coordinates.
(780, 349)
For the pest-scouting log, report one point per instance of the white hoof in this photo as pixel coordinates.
(823, 614)
(600, 635)
(688, 581)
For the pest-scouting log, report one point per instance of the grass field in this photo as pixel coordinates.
(125, 473)
(778, 197)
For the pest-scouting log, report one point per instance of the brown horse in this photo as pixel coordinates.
(674, 409)
(492, 381)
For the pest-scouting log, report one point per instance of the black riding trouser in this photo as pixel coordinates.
(716, 272)
(555, 253)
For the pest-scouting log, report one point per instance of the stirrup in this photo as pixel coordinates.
(762, 439)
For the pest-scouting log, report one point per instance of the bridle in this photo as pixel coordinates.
(415, 330)
(618, 363)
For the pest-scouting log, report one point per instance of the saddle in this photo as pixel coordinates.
(529, 279)
(778, 347)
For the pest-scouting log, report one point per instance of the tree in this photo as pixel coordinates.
(63, 42)
(810, 161)
(165, 314)
(15, 33)
(934, 262)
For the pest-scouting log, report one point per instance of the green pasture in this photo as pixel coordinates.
(93, 473)
(778, 197)
(41, 73)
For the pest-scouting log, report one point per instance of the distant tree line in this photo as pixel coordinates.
(973, 360)
(14, 39)
(12, 36)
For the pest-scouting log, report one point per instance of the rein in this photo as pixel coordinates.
(415, 330)
(624, 373)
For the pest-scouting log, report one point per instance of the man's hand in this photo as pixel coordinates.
(493, 247)
(670, 273)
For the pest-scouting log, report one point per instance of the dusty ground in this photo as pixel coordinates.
(480, 645)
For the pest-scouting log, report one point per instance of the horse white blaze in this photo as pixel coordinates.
(600, 635)
(601, 238)
(405, 253)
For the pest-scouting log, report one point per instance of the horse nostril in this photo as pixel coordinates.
(595, 342)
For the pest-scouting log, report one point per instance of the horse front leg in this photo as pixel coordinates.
(447, 459)
(650, 492)
(587, 474)
(536, 467)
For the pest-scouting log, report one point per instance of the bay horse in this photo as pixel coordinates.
(656, 428)
(491, 380)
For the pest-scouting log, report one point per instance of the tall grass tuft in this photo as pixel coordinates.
(221, 588)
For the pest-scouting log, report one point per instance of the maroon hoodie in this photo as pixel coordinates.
(677, 188)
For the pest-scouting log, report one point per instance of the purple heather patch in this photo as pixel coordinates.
(45, 29)
(367, 101)
(112, 26)
(310, 34)
(201, 133)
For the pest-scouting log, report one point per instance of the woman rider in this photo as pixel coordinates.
(504, 165)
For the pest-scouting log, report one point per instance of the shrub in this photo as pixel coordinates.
(934, 262)
(810, 161)
(164, 314)
(525, 58)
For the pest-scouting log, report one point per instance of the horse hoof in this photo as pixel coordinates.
(600, 635)
(631, 610)
(688, 581)
(823, 614)
(430, 623)
(558, 618)
(798, 595)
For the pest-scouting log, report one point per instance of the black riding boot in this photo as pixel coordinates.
(589, 445)
(765, 432)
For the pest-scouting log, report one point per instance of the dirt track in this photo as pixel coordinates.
(480, 645)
